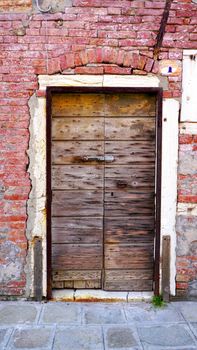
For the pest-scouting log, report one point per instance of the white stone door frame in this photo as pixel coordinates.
(36, 223)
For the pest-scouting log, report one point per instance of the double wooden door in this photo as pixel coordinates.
(103, 190)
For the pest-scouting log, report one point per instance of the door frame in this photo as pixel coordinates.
(158, 92)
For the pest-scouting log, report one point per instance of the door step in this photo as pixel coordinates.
(92, 295)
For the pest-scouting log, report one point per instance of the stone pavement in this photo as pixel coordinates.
(97, 326)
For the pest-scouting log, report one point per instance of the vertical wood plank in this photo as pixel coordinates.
(166, 268)
(38, 269)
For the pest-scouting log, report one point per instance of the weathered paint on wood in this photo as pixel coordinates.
(77, 177)
(76, 152)
(92, 104)
(129, 128)
(140, 153)
(78, 128)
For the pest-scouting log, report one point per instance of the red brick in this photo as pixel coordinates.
(187, 199)
(185, 139)
(99, 55)
(92, 57)
(89, 70)
(149, 65)
(116, 70)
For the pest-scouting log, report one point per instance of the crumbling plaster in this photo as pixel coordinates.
(36, 223)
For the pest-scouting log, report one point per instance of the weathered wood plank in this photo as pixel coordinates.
(166, 267)
(77, 256)
(128, 279)
(124, 178)
(77, 177)
(114, 224)
(93, 104)
(127, 203)
(77, 230)
(124, 235)
(129, 128)
(140, 280)
(78, 128)
(77, 203)
(126, 275)
(128, 256)
(80, 275)
(131, 152)
(75, 152)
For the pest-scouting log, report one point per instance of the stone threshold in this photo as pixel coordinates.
(92, 295)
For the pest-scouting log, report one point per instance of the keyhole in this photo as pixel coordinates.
(112, 194)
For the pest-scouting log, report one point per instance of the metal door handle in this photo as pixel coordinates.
(107, 158)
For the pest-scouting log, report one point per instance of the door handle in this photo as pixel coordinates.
(107, 158)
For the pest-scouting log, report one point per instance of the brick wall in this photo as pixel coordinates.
(86, 37)
(187, 220)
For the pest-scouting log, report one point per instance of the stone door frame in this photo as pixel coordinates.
(36, 208)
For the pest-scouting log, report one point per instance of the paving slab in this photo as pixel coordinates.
(78, 338)
(188, 310)
(103, 314)
(121, 338)
(17, 313)
(4, 336)
(168, 336)
(194, 328)
(148, 313)
(37, 338)
(61, 313)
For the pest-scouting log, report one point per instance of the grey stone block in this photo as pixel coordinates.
(188, 310)
(194, 328)
(161, 337)
(186, 235)
(61, 313)
(37, 338)
(192, 290)
(78, 338)
(4, 336)
(103, 315)
(121, 338)
(18, 313)
(147, 313)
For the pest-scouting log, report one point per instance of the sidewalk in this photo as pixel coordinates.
(97, 326)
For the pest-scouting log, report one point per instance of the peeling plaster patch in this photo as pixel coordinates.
(11, 269)
(186, 235)
(56, 6)
(36, 209)
(188, 128)
(187, 160)
(187, 209)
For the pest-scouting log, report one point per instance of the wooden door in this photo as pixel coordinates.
(103, 190)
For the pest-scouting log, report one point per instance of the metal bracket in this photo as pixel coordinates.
(106, 158)
(42, 10)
